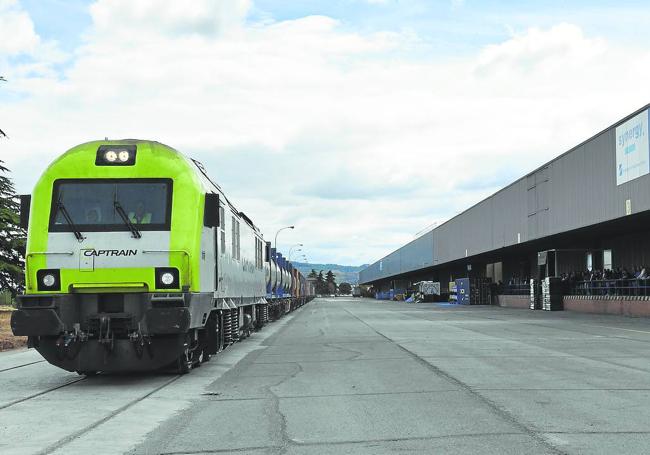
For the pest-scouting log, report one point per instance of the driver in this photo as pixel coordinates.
(141, 215)
(92, 216)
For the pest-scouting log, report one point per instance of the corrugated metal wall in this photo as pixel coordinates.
(576, 190)
(415, 255)
(418, 254)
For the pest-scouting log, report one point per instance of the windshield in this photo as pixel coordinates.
(93, 204)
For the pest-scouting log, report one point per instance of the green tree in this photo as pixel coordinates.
(345, 288)
(330, 280)
(12, 237)
(312, 274)
(321, 285)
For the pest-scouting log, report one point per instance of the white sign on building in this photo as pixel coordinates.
(428, 287)
(632, 149)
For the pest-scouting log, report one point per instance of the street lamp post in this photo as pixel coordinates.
(291, 249)
(275, 242)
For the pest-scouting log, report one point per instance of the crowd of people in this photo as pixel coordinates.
(515, 285)
(614, 281)
(637, 273)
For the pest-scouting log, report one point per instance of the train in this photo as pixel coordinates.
(136, 260)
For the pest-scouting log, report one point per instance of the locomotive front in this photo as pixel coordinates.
(114, 231)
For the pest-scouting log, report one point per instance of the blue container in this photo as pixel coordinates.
(463, 291)
(385, 295)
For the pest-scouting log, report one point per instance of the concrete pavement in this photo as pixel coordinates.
(365, 377)
(360, 376)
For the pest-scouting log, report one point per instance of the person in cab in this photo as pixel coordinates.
(141, 215)
(93, 216)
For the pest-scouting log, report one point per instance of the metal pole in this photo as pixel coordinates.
(275, 243)
(291, 249)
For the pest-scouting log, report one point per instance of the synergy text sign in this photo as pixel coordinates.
(632, 149)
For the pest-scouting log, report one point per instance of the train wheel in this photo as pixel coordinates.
(198, 358)
(184, 362)
(205, 341)
(87, 373)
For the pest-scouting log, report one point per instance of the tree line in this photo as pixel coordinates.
(12, 236)
(326, 283)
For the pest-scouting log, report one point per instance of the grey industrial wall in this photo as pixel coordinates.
(415, 255)
(576, 190)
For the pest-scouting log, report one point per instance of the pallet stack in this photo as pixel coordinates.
(552, 294)
(535, 295)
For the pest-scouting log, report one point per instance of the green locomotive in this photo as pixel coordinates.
(137, 261)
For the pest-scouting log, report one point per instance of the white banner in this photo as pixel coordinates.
(429, 287)
(632, 149)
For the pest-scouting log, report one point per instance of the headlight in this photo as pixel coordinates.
(110, 156)
(116, 155)
(123, 156)
(49, 280)
(167, 278)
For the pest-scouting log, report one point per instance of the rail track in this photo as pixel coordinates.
(81, 410)
(61, 440)
(21, 366)
(71, 437)
(20, 371)
(41, 393)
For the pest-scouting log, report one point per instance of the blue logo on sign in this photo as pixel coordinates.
(620, 169)
(630, 148)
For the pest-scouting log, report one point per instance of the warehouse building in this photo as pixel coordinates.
(584, 216)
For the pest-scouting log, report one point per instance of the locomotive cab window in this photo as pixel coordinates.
(95, 205)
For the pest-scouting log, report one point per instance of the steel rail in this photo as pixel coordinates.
(23, 365)
(71, 437)
(42, 392)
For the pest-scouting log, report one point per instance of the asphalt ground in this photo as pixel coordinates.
(361, 377)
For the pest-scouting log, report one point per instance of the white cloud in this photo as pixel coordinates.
(19, 42)
(305, 122)
(17, 33)
(547, 51)
(167, 16)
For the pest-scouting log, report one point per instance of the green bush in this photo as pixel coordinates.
(6, 299)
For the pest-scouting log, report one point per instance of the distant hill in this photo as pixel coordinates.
(343, 273)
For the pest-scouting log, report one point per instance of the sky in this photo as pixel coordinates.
(361, 122)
